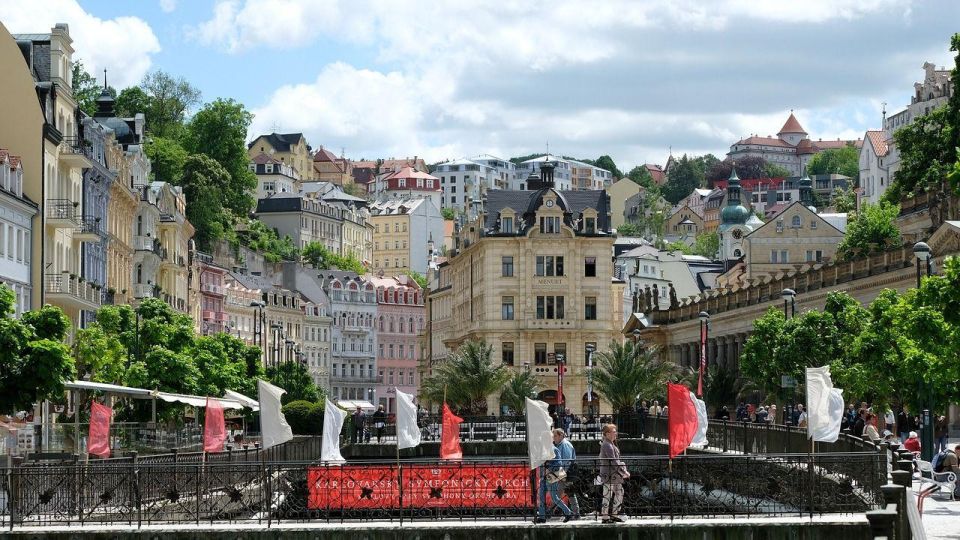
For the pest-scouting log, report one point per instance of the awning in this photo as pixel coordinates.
(352, 405)
(139, 393)
(198, 401)
(240, 398)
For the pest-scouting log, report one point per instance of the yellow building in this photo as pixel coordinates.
(289, 148)
(327, 167)
(619, 192)
(403, 230)
(357, 234)
(684, 224)
(175, 233)
(22, 130)
(121, 214)
(532, 278)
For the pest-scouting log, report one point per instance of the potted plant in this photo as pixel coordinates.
(73, 276)
(111, 290)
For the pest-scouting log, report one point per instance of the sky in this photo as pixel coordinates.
(634, 79)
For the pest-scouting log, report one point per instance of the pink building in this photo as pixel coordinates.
(213, 314)
(400, 317)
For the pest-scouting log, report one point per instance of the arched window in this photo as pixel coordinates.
(381, 323)
(796, 223)
(392, 327)
(401, 325)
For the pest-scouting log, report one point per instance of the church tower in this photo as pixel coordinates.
(733, 224)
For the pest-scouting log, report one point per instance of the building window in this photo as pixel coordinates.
(506, 225)
(548, 265)
(507, 353)
(814, 256)
(796, 223)
(590, 308)
(813, 224)
(590, 267)
(560, 352)
(506, 308)
(549, 307)
(540, 353)
(506, 266)
(549, 224)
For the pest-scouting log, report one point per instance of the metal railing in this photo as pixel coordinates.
(249, 487)
(89, 225)
(63, 284)
(61, 209)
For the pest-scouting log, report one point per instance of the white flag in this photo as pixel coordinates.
(824, 406)
(700, 437)
(274, 428)
(539, 434)
(408, 433)
(332, 424)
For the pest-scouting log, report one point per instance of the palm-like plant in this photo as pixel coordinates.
(629, 370)
(522, 385)
(466, 378)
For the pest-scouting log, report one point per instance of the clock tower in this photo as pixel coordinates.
(733, 224)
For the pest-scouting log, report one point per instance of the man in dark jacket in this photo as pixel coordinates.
(860, 423)
(904, 426)
(359, 418)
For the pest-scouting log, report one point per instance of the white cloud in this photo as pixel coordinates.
(122, 45)
(624, 77)
(168, 6)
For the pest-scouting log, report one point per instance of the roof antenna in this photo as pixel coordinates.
(104, 78)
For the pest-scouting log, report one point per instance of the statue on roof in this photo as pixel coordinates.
(655, 301)
(674, 303)
(647, 295)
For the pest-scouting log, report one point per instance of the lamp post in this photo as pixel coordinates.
(636, 336)
(259, 317)
(789, 302)
(704, 336)
(561, 409)
(590, 348)
(275, 330)
(924, 255)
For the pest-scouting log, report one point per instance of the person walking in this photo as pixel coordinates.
(772, 413)
(380, 422)
(903, 423)
(568, 460)
(613, 471)
(554, 473)
(889, 419)
(359, 419)
(940, 431)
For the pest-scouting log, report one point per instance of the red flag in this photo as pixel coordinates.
(98, 440)
(681, 419)
(214, 427)
(450, 437)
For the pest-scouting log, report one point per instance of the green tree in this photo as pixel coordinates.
(86, 89)
(925, 154)
(318, 256)
(629, 229)
(99, 356)
(448, 213)
(296, 380)
(167, 160)
(466, 378)
(265, 240)
(845, 161)
(707, 244)
(641, 176)
(872, 230)
(627, 371)
(680, 246)
(685, 176)
(170, 100)
(522, 385)
(34, 362)
(133, 100)
(219, 130)
(844, 200)
(606, 162)
(203, 180)
(419, 278)
(747, 167)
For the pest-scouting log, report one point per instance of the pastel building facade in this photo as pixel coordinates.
(400, 319)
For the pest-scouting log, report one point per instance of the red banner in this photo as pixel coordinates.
(214, 427)
(353, 487)
(682, 420)
(450, 436)
(98, 440)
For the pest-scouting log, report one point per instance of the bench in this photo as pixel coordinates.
(937, 481)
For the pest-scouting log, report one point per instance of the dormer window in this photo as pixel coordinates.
(506, 225)
(550, 224)
(590, 225)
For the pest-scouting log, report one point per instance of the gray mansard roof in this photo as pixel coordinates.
(525, 204)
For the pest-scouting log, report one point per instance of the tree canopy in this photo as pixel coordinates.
(641, 176)
(687, 174)
(747, 167)
(606, 162)
(318, 256)
(34, 362)
(873, 229)
(845, 161)
(628, 371)
(203, 180)
(466, 378)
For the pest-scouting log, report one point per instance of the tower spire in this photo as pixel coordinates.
(104, 78)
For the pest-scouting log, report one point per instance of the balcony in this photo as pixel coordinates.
(346, 379)
(208, 315)
(222, 316)
(62, 213)
(61, 290)
(88, 230)
(211, 288)
(355, 329)
(178, 304)
(149, 245)
(143, 290)
(75, 153)
(205, 258)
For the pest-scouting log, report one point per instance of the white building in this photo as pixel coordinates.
(353, 359)
(16, 220)
(880, 160)
(568, 174)
(273, 176)
(465, 181)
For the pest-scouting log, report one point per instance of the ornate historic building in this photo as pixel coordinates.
(400, 317)
(532, 278)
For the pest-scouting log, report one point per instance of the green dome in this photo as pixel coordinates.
(734, 215)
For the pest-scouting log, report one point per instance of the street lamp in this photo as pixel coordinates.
(789, 300)
(259, 319)
(636, 335)
(276, 331)
(923, 253)
(704, 336)
(590, 348)
(561, 408)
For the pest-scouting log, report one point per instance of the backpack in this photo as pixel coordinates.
(937, 461)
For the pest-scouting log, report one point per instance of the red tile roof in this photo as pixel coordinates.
(262, 159)
(878, 141)
(5, 156)
(765, 141)
(791, 126)
(325, 155)
(839, 143)
(655, 172)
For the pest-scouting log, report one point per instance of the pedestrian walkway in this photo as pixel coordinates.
(941, 516)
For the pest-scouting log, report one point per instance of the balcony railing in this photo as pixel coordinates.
(167, 217)
(208, 315)
(143, 290)
(66, 288)
(355, 379)
(62, 211)
(88, 230)
(211, 288)
(75, 152)
(204, 257)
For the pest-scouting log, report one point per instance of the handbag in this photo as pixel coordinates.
(556, 476)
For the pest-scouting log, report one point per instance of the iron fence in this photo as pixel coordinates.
(219, 491)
